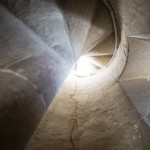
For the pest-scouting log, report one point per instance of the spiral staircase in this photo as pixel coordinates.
(40, 41)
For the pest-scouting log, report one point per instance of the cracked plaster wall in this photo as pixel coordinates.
(80, 119)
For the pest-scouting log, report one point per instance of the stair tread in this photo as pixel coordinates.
(106, 47)
(138, 65)
(100, 61)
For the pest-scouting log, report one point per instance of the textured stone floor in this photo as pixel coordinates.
(84, 120)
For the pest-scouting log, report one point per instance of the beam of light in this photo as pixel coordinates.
(84, 67)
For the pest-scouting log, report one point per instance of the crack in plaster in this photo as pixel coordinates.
(74, 116)
(25, 79)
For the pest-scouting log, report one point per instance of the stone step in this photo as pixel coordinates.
(78, 15)
(100, 61)
(101, 27)
(88, 23)
(135, 79)
(104, 48)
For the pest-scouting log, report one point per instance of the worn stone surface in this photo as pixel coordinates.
(102, 115)
(21, 108)
(46, 20)
(138, 61)
(101, 27)
(88, 22)
(80, 119)
(89, 113)
(106, 47)
(135, 78)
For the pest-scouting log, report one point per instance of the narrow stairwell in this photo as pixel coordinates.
(40, 40)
